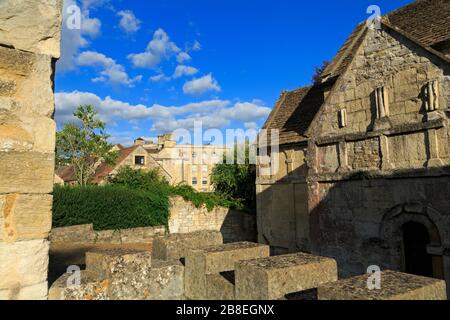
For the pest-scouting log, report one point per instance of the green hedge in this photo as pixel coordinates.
(109, 207)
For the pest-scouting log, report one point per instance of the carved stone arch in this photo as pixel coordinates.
(394, 219)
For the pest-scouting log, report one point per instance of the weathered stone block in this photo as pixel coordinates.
(394, 286)
(35, 92)
(26, 172)
(25, 216)
(74, 234)
(108, 236)
(274, 277)
(139, 235)
(219, 288)
(23, 264)
(216, 259)
(34, 292)
(15, 61)
(89, 287)
(31, 25)
(7, 87)
(175, 246)
(163, 281)
(106, 263)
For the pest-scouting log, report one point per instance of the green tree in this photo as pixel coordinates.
(82, 144)
(237, 180)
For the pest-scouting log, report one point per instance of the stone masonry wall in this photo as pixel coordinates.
(29, 47)
(234, 225)
(353, 220)
(372, 174)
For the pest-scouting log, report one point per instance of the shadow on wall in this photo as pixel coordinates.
(398, 221)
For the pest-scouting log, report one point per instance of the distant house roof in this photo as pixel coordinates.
(67, 174)
(426, 22)
(104, 169)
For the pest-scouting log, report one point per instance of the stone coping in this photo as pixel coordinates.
(231, 247)
(285, 261)
(394, 285)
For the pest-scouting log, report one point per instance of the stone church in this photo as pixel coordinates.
(364, 162)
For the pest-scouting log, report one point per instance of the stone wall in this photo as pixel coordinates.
(282, 203)
(85, 234)
(29, 47)
(234, 225)
(371, 175)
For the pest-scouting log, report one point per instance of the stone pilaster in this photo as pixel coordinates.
(433, 149)
(29, 46)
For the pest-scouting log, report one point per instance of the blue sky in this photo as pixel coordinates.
(153, 66)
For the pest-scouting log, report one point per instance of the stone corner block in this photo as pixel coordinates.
(214, 260)
(31, 25)
(274, 277)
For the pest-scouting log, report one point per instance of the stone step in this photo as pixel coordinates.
(275, 277)
(393, 286)
(213, 260)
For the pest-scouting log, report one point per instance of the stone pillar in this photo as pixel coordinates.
(29, 47)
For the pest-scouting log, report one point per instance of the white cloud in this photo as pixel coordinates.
(201, 85)
(183, 57)
(160, 77)
(158, 49)
(111, 71)
(251, 125)
(213, 113)
(128, 21)
(183, 70)
(196, 46)
(72, 40)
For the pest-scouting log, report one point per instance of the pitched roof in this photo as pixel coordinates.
(428, 21)
(67, 174)
(425, 21)
(104, 169)
(294, 112)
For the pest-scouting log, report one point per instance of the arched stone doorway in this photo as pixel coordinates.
(414, 234)
(416, 258)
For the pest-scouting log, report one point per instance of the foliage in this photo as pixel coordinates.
(318, 71)
(82, 144)
(108, 207)
(137, 179)
(133, 198)
(210, 200)
(237, 180)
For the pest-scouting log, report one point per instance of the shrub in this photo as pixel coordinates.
(109, 207)
(237, 181)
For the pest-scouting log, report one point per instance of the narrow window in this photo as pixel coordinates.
(205, 168)
(194, 168)
(194, 181)
(205, 181)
